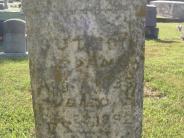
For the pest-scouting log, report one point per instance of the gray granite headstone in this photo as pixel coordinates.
(1, 6)
(1, 30)
(151, 32)
(151, 14)
(14, 40)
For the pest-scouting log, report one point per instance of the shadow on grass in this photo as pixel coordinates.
(166, 41)
(163, 41)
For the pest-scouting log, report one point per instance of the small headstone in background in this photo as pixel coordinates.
(1, 6)
(14, 40)
(151, 31)
(148, 1)
(1, 30)
(151, 14)
(10, 1)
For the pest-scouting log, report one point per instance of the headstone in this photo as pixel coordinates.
(14, 40)
(151, 31)
(1, 6)
(6, 4)
(148, 1)
(170, 9)
(10, 1)
(1, 30)
(151, 14)
(86, 64)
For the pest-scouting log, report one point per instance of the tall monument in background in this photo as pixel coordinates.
(86, 64)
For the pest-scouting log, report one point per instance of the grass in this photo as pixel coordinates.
(16, 115)
(164, 77)
(164, 72)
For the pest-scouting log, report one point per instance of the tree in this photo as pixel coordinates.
(86, 65)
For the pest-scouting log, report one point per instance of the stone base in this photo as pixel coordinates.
(151, 32)
(13, 55)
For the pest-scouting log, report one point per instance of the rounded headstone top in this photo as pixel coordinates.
(14, 26)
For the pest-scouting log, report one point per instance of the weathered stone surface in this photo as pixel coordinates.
(14, 40)
(86, 65)
(170, 9)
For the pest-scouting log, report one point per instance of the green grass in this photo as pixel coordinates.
(16, 115)
(164, 74)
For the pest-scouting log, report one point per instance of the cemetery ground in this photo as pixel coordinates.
(164, 90)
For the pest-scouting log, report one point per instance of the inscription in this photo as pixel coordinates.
(95, 10)
(94, 6)
(93, 121)
(97, 42)
(90, 102)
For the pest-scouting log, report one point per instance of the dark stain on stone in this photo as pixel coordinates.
(93, 43)
(106, 76)
(57, 74)
(141, 12)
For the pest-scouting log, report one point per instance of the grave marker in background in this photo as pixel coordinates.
(14, 40)
(151, 22)
(1, 31)
(86, 65)
(2, 6)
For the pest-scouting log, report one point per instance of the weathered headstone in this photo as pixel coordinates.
(14, 40)
(151, 32)
(86, 65)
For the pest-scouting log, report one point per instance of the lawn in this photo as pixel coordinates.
(164, 92)
(16, 115)
(164, 74)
